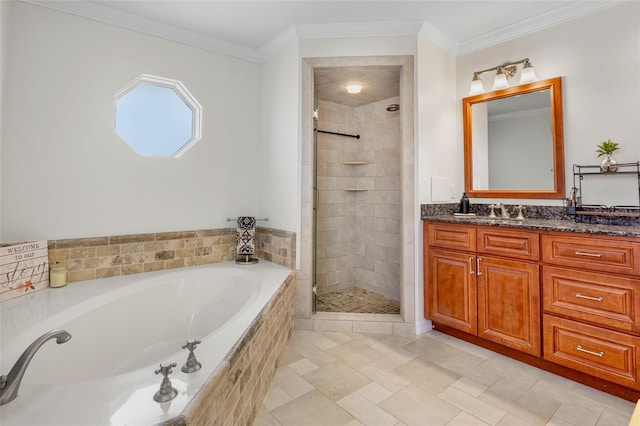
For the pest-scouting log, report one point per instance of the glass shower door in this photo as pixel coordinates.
(315, 202)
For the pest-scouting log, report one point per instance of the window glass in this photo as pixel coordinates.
(157, 117)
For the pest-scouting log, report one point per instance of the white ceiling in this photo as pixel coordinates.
(254, 30)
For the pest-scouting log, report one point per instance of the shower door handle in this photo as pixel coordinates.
(316, 198)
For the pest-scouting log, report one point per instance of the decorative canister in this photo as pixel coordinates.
(57, 275)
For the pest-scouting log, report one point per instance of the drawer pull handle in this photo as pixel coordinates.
(597, 299)
(600, 354)
(478, 266)
(581, 253)
(471, 266)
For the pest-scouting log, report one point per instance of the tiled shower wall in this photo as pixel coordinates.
(101, 257)
(359, 232)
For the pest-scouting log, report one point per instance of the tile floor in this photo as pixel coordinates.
(333, 378)
(356, 300)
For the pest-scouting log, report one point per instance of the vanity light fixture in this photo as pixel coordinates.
(503, 73)
(354, 88)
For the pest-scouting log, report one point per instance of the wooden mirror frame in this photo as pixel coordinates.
(557, 131)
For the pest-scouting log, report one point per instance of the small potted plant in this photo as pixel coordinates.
(607, 148)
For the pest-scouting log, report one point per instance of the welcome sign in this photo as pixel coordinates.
(24, 268)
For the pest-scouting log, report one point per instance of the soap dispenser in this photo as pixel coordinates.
(464, 204)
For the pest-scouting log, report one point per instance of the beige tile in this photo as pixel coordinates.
(366, 411)
(579, 413)
(355, 353)
(531, 407)
(303, 366)
(470, 386)
(324, 343)
(372, 327)
(465, 419)
(336, 380)
(517, 420)
(275, 397)
(436, 351)
(428, 377)
(312, 408)
(473, 406)
(264, 418)
(385, 378)
(414, 406)
(332, 325)
(290, 382)
(289, 355)
(375, 392)
(463, 363)
(611, 417)
(314, 354)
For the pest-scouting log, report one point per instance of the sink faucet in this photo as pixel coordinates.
(10, 383)
(503, 211)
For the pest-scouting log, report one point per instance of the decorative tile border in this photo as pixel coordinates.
(101, 257)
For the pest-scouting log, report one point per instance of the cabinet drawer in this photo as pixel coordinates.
(597, 298)
(602, 353)
(600, 254)
(516, 244)
(458, 237)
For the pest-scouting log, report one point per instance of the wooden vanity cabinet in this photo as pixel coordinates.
(592, 305)
(485, 282)
(566, 302)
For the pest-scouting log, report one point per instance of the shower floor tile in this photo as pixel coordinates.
(356, 300)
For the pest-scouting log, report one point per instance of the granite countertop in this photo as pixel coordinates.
(540, 224)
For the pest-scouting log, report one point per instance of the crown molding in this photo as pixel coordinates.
(557, 16)
(438, 37)
(277, 44)
(357, 29)
(424, 29)
(97, 12)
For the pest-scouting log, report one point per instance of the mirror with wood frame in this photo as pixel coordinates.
(514, 142)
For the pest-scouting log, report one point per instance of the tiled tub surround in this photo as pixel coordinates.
(238, 357)
(102, 257)
(234, 393)
(359, 232)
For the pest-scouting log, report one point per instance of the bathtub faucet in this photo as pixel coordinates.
(10, 383)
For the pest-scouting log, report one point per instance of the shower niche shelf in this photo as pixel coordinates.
(355, 163)
(355, 189)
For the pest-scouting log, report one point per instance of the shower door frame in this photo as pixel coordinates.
(408, 284)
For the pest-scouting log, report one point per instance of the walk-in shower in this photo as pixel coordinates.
(357, 167)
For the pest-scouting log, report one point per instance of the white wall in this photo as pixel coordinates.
(279, 146)
(3, 37)
(65, 173)
(598, 57)
(436, 150)
(437, 114)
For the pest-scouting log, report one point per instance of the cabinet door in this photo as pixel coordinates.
(451, 290)
(509, 303)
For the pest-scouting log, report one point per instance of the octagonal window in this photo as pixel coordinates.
(158, 116)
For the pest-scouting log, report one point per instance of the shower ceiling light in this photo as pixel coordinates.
(354, 88)
(503, 73)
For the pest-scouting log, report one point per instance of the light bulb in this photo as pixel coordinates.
(476, 86)
(354, 88)
(528, 74)
(500, 82)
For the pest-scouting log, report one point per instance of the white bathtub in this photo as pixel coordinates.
(122, 328)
